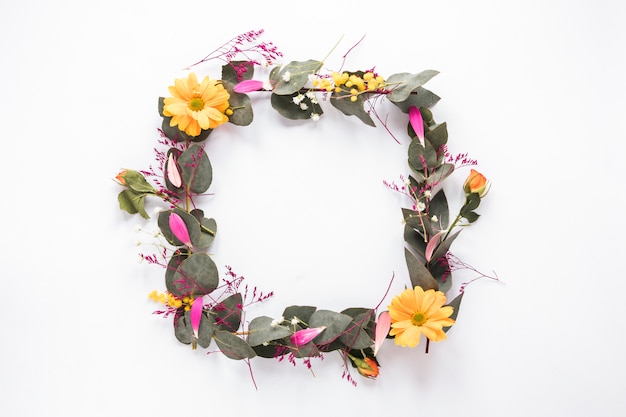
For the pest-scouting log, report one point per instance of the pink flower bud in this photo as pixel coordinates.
(417, 123)
(382, 329)
(195, 315)
(248, 86)
(179, 229)
(304, 336)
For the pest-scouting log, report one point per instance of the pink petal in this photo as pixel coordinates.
(196, 314)
(382, 329)
(304, 336)
(179, 228)
(248, 86)
(172, 172)
(432, 244)
(417, 123)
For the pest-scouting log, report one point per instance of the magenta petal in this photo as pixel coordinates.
(382, 330)
(248, 86)
(172, 172)
(179, 228)
(417, 123)
(196, 314)
(304, 336)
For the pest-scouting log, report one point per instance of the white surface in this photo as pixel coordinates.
(533, 90)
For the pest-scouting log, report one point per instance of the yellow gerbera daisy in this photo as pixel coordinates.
(416, 311)
(195, 107)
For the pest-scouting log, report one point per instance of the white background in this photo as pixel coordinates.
(532, 89)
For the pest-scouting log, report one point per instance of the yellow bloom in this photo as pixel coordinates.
(195, 107)
(415, 312)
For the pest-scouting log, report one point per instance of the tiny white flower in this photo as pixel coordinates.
(304, 106)
(138, 228)
(298, 99)
(421, 206)
(407, 181)
(286, 76)
(427, 193)
(315, 117)
(434, 219)
(137, 242)
(267, 86)
(295, 321)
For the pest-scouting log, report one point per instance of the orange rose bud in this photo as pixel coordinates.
(120, 177)
(368, 368)
(475, 183)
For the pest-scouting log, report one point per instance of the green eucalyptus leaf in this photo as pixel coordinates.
(415, 241)
(294, 76)
(342, 102)
(303, 313)
(438, 206)
(418, 273)
(356, 337)
(228, 313)
(196, 169)
(407, 83)
(334, 322)
(184, 332)
(175, 260)
(241, 106)
(444, 246)
(233, 346)
(237, 71)
(193, 226)
(412, 218)
(456, 304)
(261, 331)
(471, 216)
(132, 202)
(438, 136)
(442, 172)
(305, 351)
(286, 107)
(196, 275)
(419, 98)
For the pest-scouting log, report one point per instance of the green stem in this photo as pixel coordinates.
(458, 217)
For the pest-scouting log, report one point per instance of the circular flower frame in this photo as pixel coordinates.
(207, 308)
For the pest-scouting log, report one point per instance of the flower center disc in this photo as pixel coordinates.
(418, 319)
(196, 104)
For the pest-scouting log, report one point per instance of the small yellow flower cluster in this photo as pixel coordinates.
(350, 83)
(171, 300)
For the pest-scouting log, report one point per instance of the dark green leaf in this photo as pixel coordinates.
(456, 304)
(284, 105)
(302, 313)
(335, 324)
(418, 273)
(195, 169)
(299, 72)
(261, 331)
(233, 346)
(406, 83)
(438, 206)
(240, 105)
(245, 71)
(342, 102)
(419, 98)
(228, 313)
(196, 275)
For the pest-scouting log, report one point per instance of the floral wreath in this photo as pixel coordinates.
(207, 308)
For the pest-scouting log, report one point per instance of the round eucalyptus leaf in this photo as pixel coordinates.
(335, 323)
(262, 331)
(195, 169)
(196, 275)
